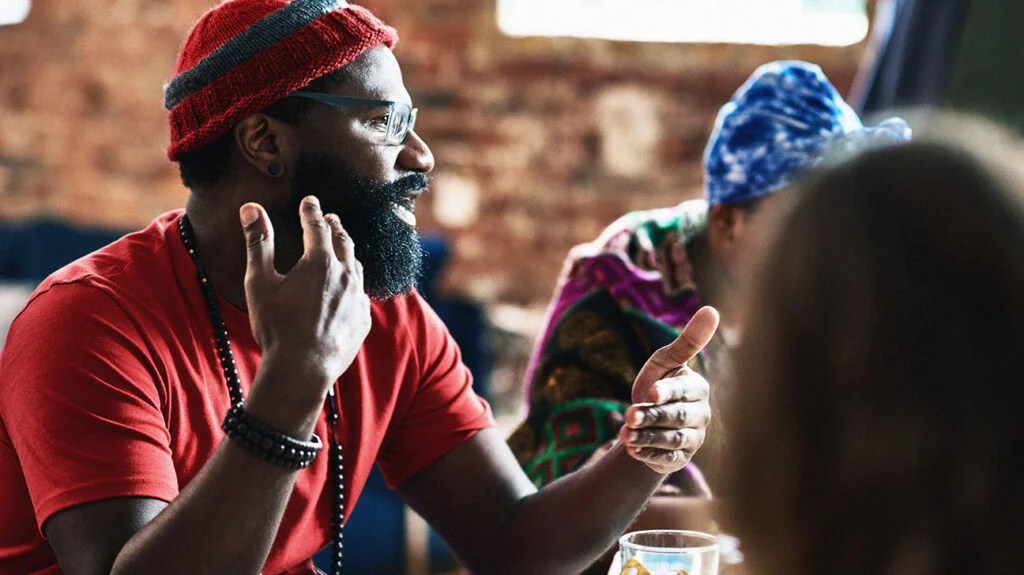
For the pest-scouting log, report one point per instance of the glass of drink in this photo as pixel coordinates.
(668, 552)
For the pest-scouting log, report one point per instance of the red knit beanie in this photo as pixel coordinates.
(244, 55)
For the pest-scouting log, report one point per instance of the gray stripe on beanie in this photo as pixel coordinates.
(261, 35)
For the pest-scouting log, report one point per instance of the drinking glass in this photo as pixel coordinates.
(668, 552)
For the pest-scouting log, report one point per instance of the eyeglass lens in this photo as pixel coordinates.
(403, 117)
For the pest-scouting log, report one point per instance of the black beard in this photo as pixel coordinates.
(388, 248)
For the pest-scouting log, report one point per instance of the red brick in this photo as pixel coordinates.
(84, 129)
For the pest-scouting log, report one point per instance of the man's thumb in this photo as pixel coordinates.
(697, 334)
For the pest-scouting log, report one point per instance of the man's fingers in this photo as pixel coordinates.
(663, 450)
(665, 460)
(684, 385)
(259, 240)
(344, 247)
(676, 414)
(686, 439)
(316, 235)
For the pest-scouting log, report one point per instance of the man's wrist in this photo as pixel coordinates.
(268, 443)
(287, 398)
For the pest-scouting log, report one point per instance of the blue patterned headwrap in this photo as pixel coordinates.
(785, 119)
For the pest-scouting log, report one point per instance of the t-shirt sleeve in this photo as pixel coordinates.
(444, 410)
(80, 402)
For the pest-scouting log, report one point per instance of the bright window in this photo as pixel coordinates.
(13, 11)
(827, 22)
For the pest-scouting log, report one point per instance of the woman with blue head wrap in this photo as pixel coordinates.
(783, 121)
(629, 292)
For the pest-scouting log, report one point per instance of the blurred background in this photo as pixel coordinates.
(548, 120)
(540, 140)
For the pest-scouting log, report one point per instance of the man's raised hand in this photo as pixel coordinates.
(317, 315)
(670, 413)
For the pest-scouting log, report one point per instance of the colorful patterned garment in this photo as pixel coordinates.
(609, 314)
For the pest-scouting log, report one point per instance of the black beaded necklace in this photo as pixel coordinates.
(227, 363)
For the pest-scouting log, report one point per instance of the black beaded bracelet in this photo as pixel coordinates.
(267, 443)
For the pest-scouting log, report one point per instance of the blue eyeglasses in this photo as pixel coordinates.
(401, 119)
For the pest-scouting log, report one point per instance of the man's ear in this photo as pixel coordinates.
(264, 143)
(722, 218)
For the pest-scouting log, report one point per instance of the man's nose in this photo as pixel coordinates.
(415, 155)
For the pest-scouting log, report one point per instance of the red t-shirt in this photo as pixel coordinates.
(110, 386)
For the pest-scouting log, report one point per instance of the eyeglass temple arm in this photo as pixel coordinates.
(342, 100)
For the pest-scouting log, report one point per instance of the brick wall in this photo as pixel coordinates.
(539, 142)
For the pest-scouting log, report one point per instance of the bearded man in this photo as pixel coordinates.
(164, 401)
